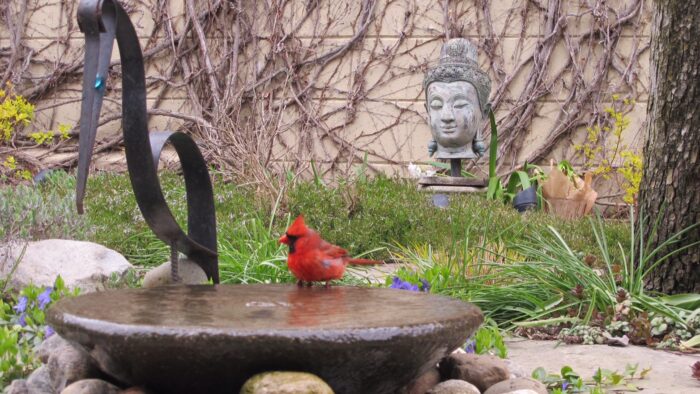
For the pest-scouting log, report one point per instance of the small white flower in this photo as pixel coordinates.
(414, 171)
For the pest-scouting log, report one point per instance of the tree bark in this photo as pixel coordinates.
(671, 177)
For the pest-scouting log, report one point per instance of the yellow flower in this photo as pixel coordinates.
(10, 163)
(64, 129)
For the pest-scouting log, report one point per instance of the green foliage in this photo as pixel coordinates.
(569, 381)
(39, 212)
(251, 254)
(488, 339)
(15, 112)
(519, 179)
(15, 362)
(10, 167)
(539, 279)
(47, 137)
(23, 327)
(360, 216)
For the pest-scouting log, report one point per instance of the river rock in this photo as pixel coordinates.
(285, 383)
(454, 386)
(516, 370)
(67, 363)
(81, 264)
(423, 383)
(18, 386)
(483, 371)
(39, 382)
(518, 386)
(190, 274)
(49, 346)
(91, 386)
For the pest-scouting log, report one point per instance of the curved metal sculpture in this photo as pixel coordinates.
(102, 21)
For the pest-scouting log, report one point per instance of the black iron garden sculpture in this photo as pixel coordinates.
(102, 21)
(211, 338)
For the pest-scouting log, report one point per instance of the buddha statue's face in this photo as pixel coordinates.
(455, 116)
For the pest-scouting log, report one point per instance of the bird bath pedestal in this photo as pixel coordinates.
(192, 339)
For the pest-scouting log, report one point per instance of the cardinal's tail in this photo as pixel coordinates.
(364, 262)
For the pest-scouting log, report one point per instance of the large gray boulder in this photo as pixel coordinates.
(81, 264)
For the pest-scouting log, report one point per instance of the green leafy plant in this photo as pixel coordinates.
(518, 180)
(9, 166)
(551, 284)
(47, 137)
(23, 327)
(15, 112)
(569, 381)
(488, 339)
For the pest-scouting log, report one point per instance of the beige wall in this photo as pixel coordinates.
(393, 85)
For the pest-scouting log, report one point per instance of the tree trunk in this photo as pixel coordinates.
(671, 179)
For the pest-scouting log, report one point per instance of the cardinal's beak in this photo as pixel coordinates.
(284, 240)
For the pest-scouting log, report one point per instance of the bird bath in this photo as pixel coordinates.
(187, 339)
(211, 338)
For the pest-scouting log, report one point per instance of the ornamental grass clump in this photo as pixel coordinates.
(556, 286)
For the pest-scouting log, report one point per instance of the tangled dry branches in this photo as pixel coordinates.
(269, 86)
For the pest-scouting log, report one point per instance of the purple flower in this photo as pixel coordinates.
(45, 298)
(470, 347)
(48, 331)
(22, 320)
(425, 285)
(21, 305)
(564, 385)
(401, 285)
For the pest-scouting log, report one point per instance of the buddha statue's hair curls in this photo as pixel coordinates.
(458, 63)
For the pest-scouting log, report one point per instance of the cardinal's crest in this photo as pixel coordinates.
(298, 227)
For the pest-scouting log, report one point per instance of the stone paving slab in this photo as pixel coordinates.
(670, 374)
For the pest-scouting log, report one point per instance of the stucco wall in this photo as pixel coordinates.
(393, 84)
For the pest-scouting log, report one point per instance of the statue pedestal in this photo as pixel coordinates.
(450, 184)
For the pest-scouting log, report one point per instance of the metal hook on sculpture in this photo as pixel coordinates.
(102, 21)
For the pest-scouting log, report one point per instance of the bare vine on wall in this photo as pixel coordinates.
(274, 84)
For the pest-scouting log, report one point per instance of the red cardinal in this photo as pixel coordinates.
(311, 259)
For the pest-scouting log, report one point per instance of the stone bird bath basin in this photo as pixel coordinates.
(197, 339)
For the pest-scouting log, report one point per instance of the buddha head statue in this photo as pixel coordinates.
(456, 96)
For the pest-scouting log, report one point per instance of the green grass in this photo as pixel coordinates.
(40, 212)
(360, 216)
